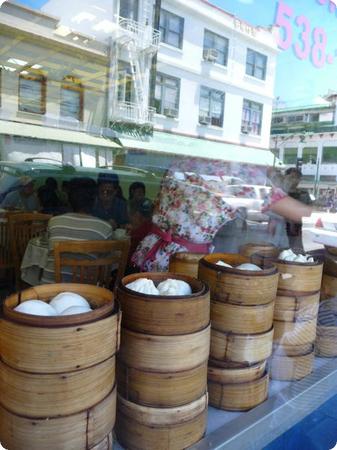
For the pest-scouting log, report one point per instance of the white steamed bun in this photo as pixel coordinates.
(174, 287)
(65, 300)
(36, 307)
(75, 310)
(144, 286)
(289, 255)
(248, 266)
(221, 263)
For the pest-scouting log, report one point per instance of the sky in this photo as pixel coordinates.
(307, 60)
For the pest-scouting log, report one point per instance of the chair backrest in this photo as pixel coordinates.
(91, 262)
(23, 227)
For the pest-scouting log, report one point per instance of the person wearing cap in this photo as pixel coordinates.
(23, 198)
(110, 204)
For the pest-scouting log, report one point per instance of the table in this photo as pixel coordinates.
(34, 260)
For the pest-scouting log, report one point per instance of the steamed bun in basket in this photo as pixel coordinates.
(36, 307)
(174, 287)
(65, 300)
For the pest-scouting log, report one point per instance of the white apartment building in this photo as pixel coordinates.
(307, 136)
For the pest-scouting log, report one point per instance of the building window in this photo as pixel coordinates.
(32, 93)
(329, 155)
(294, 119)
(129, 9)
(215, 48)
(211, 107)
(167, 95)
(290, 156)
(277, 120)
(251, 117)
(72, 98)
(171, 29)
(256, 64)
(125, 88)
(309, 155)
(314, 117)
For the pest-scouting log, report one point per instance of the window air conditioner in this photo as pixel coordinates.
(211, 54)
(170, 112)
(204, 120)
(245, 129)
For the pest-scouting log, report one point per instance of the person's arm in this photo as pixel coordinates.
(291, 209)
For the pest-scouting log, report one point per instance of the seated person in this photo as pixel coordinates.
(140, 213)
(110, 205)
(49, 198)
(77, 225)
(24, 197)
(137, 191)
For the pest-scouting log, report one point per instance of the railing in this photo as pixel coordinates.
(144, 35)
(131, 112)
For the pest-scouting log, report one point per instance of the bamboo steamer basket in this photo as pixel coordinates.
(143, 428)
(33, 344)
(231, 373)
(80, 431)
(326, 341)
(238, 396)
(164, 315)
(295, 333)
(106, 444)
(100, 299)
(241, 319)
(291, 308)
(245, 349)
(290, 368)
(242, 287)
(185, 263)
(55, 394)
(161, 389)
(164, 354)
(298, 277)
(329, 286)
(292, 350)
(251, 248)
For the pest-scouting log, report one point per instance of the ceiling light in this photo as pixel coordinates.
(10, 69)
(18, 62)
(75, 38)
(62, 30)
(24, 72)
(36, 66)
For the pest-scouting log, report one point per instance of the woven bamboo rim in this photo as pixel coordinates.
(47, 395)
(78, 431)
(292, 350)
(161, 390)
(290, 368)
(100, 299)
(165, 315)
(238, 286)
(252, 248)
(57, 350)
(165, 354)
(241, 319)
(329, 286)
(234, 375)
(326, 341)
(295, 333)
(185, 263)
(240, 348)
(292, 308)
(238, 397)
(298, 277)
(172, 429)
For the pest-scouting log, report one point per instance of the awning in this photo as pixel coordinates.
(203, 148)
(54, 134)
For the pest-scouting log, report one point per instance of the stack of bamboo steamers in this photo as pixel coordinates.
(57, 373)
(162, 366)
(242, 306)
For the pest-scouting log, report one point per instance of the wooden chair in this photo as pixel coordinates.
(21, 228)
(94, 261)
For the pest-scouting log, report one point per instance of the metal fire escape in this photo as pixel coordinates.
(134, 42)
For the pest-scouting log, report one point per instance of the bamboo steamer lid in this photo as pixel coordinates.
(185, 263)
(241, 348)
(164, 315)
(143, 428)
(238, 396)
(161, 389)
(167, 354)
(252, 248)
(291, 307)
(329, 286)
(295, 333)
(326, 341)
(46, 395)
(298, 277)
(290, 368)
(78, 431)
(100, 299)
(241, 319)
(227, 373)
(237, 286)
